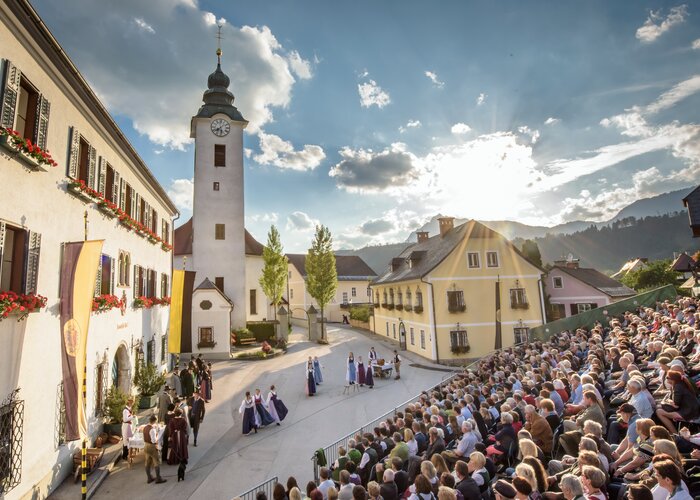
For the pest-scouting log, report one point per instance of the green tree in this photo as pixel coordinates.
(532, 252)
(321, 274)
(655, 274)
(274, 273)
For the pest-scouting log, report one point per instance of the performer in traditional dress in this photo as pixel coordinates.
(318, 376)
(264, 416)
(250, 417)
(309, 376)
(372, 356)
(210, 384)
(177, 432)
(127, 432)
(360, 371)
(351, 374)
(204, 388)
(369, 378)
(275, 406)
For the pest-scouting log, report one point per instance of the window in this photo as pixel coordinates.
(289, 275)
(151, 352)
(557, 311)
(219, 155)
(419, 301)
(19, 259)
(518, 299)
(11, 430)
(104, 284)
(166, 232)
(409, 302)
(353, 292)
(107, 184)
(387, 328)
(253, 302)
(422, 339)
(216, 186)
(26, 109)
(163, 347)
(391, 296)
(491, 259)
(129, 200)
(206, 337)
(455, 301)
(459, 342)
(473, 260)
(124, 266)
(579, 308)
(61, 415)
(520, 335)
(291, 293)
(393, 328)
(399, 298)
(154, 221)
(164, 285)
(369, 292)
(220, 231)
(101, 386)
(412, 336)
(219, 282)
(376, 300)
(345, 297)
(139, 281)
(557, 282)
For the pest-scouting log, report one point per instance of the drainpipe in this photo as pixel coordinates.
(542, 310)
(436, 351)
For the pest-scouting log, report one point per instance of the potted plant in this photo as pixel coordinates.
(149, 381)
(113, 408)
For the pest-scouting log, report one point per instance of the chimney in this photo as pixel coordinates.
(422, 236)
(446, 224)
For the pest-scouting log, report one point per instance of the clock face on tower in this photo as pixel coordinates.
(220, 127)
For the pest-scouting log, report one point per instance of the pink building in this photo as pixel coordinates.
(573, 289)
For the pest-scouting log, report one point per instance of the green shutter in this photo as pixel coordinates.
(10, 95)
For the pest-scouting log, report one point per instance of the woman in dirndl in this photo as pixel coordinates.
(264, 416)
(250, 418)
(275, 406)
(369, 377)
(310, 381)
(318, 376)
(351, 373)
(360, 371)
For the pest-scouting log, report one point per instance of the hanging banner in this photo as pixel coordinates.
(499, 335)
(78, 275)
(180, 330)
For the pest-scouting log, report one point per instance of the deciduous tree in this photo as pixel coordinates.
(321, 274)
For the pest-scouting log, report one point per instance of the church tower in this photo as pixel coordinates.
(218, 242)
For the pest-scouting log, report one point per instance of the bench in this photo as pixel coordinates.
(247, 341)
(92, 460)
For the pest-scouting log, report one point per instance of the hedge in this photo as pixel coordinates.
(262, 330)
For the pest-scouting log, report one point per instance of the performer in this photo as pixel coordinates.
(309, 374)
(351, 374)
(263, 416)
(177, 432)
(369, 378)
(250, 417)
(210, 384)
(127, 431)
(196, 415)
(397, 365)
(360, 371)
(204, 388)
(275, 406)
(372, 356)
(318, 376)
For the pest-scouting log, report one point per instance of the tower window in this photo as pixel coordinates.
(253, 302)
(219, 155)
(216, 186)
(219, 282)
(220, 231)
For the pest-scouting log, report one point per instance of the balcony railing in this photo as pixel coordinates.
(457, 308)
(519, 305)
(408, 307)
(418, 309)
(390, 306)
(399, 307)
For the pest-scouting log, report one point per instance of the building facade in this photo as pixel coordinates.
(573, 289)
(438, 298)
(95, 187)
(354, 278)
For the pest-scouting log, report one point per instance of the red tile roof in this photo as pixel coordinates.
(183, 241)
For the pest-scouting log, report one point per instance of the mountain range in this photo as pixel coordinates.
(563, 237)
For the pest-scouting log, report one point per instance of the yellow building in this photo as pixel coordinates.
(354, 278)
(439, 296)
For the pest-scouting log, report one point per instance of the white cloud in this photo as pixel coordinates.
(552, 121)
(300, 221)
(181, 191)
(696, 44)
(390, 227)
(363, 74)
(410, 124)
(268, 218)
(143, 25)
(656, 25)
(280, 153)
(142, 82)
(460, 128)
(372, 94)
(434, 78)
(481, 99)
(677, 93)
(533, 134)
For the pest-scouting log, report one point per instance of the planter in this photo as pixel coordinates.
(106, 210)
(113, 429)
(79, 193)
(26, 159)
(147, 402)
(418, 309)
(206, 345)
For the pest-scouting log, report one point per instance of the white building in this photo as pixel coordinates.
(45, 99)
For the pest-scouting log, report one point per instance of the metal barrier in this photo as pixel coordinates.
(266, 486)
(331, 451)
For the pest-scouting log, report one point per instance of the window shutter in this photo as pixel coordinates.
(111, 275)
(122, 194)
(163, 233)
(144, 282)
(43, 107)
(137, 282)
(92, 168)
(134, 205)
(98, 280)
(115, 188)
(2, 242)
(102, 176)
(74, 155)
(32, 269)
(10, 95)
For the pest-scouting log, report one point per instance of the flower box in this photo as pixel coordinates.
(12, 303)
(390, 306)
(399, 307)
(28, 160)
(418, 309)
(143, 302)
(104, 303)
(108, 208)
(31, 154)
(385, 305)
(408, 308)
(206, 345)
(80, 190)
(457, 309)
(162, 301)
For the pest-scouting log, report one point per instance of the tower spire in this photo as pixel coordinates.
(218, 45)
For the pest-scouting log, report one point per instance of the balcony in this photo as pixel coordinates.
(408, 308)
(418, 309)
(519, 305)
(399, 307)
(457, 308)
(385, 305)
(390, 306)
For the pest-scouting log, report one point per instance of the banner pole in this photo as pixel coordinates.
(83, 463)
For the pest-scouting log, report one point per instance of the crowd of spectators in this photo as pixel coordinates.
(604, 412)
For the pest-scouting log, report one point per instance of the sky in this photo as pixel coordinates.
(370, 117)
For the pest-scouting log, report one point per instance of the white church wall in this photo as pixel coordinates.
(217, 317)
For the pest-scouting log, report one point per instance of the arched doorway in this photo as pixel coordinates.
(121, 369)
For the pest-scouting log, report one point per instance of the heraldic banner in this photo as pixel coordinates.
(78, 275)
(180, 331)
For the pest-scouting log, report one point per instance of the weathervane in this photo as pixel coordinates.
(218, 44)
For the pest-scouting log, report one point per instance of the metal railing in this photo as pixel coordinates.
(266, 487)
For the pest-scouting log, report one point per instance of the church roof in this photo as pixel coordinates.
(208, 285)
(348, 267)
(182, 243)
(218, 98)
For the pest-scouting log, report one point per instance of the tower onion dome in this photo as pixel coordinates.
(218, 98)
